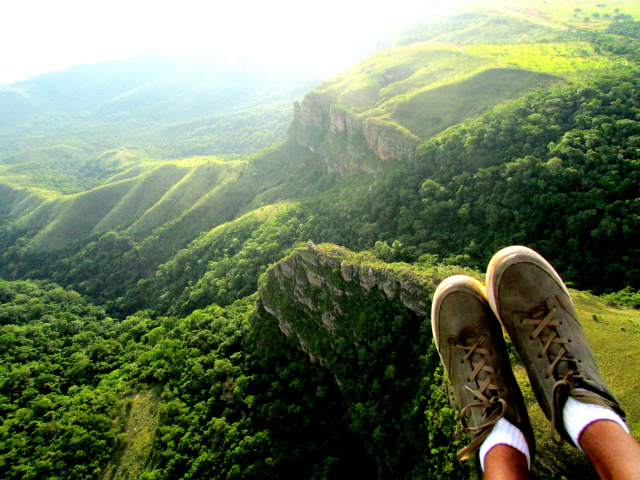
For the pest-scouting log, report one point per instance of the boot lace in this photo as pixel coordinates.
(546, 331)
(486, 399)
(545, 322)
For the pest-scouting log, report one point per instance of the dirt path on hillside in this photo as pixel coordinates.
(524, 16)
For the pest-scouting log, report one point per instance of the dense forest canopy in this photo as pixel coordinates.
(146, 224)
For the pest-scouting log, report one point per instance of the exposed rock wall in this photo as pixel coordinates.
(317, 279)
(388, 143)
(348, 142)
(368, 323)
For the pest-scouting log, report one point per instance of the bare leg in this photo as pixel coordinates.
(505, 463)
(614, 453)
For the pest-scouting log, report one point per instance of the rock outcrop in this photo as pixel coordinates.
(367, 322)
(318, 281)
(389, 141)
(349, 142)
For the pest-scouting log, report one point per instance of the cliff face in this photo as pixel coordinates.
(320, 281)
(367, 322)
(348, 142)
(390, 141)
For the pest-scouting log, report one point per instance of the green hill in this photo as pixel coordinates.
(400, 97)
(159, 194)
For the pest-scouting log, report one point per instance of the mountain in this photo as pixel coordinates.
(264, 312)
(152, 87)
(171, 106)
(367, 322)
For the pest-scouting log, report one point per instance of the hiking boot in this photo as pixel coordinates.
(534, 306)
(471, 345)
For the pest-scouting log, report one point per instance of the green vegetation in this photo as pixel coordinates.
(402, 96)
(627, 28)
(56, 129)
(625, 297)
(142, 412)
(192, 337)
(449, 103)
(573, 151)
(569, 13)
(222, 393)
(85, 395)
(57, 410)
(563, 59)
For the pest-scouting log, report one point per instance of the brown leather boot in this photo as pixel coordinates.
(534, 306)
(472, 348)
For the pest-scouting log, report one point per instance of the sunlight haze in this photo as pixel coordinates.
(42, 36)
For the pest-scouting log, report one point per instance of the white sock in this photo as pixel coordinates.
(576, 416)
(505, 433)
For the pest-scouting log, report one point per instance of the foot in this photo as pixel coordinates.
(534, 306)
(471, 345)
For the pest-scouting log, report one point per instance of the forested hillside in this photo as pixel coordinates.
(165, 311)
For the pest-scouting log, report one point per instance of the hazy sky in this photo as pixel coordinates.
(44, 35)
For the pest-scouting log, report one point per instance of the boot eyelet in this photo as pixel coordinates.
(530, 337)
(539, 355)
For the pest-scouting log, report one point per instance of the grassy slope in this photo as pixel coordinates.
(615, 336)
(143, 415)
(564, 12)
(446, 105)
(180, 109)
(417, 90)
(18, 200)
(162, 192)
(184, 194)
(424, 88)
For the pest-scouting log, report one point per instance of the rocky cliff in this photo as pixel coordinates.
(349, 142)
(368, 323)
(320, 281)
